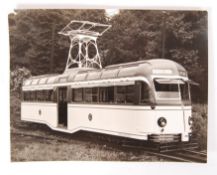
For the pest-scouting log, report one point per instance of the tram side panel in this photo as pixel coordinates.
(105, 119)
(134, 122)
(177, 120)
(40, 112)
(188, 114)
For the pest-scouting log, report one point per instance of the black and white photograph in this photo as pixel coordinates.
(108, 85)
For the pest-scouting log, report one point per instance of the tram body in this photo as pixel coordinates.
(146, 100)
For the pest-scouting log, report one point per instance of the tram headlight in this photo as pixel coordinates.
(190, 120)
(162, 122)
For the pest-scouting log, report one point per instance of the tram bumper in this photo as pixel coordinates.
(164, 137)
(184, 137)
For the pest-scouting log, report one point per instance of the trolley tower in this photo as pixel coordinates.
(83, 49)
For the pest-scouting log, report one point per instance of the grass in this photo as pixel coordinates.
(39, 151)
(36, 151)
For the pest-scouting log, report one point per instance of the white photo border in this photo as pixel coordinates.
(93, 167)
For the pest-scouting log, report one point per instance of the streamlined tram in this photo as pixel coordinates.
(145, 100)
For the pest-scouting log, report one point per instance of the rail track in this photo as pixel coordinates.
(193, 155)
(169, 152)
(187, 152)
(41, 138)
(182, 156)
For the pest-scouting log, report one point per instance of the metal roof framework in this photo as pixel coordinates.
(84, 28)
(83, 35)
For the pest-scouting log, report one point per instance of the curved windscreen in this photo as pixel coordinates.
(172, 91)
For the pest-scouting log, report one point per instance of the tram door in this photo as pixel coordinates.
(62, 106)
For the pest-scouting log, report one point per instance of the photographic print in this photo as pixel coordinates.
(108, 85)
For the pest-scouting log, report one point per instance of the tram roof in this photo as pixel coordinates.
(113, 72)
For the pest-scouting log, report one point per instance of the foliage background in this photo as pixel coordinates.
(135, 35)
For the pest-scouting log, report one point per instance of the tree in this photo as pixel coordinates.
(133, 36)
(187, 43)
(34, 39)
(177, 35)
(17, 76)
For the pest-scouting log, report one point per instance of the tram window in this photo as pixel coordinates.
(36, 95)
(88, 95)
(32, 96)
(95, 95)
(120, 95)
(72, 95)
(110, 94)
(184, 88)
(166, 87)
(103, 95)
(50, 95)
(78, 95)
(40, 96)
(130, 94)
(125, 94)
(28, 96)
(167, 91)
(45, 94)
(144, 93)
(106, 94)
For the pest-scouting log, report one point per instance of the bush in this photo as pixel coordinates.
(199, 113)
(18, 75)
